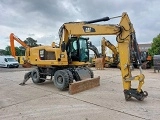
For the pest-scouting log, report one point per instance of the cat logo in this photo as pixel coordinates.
(88, 29)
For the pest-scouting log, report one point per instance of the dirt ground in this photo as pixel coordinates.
(106, 102)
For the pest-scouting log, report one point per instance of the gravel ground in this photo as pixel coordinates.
(14, 69)
(45, 101)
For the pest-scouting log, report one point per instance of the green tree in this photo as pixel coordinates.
(22, 50)
(155, 47)
(2, 52)
(7, 50)
(17, 49)
(31, 42)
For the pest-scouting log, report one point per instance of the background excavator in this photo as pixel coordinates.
(146, 59)
(96, 54)
(107, 60)
(64, 62)
(21, 59)
(112, 61)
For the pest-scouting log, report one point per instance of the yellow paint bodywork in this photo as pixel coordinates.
(34, 57)
(20, 59)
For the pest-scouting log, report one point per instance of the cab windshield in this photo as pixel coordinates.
(84, 52)
(78, 49)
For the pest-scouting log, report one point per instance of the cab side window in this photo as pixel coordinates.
(5, 59)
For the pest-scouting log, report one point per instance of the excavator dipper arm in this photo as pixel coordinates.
(94, 49)
(125, 34)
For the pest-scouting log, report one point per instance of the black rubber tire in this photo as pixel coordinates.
(90, 71)
(36, 77)
(61, 79)
(70, 76)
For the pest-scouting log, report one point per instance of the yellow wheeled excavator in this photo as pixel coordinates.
(63, 62)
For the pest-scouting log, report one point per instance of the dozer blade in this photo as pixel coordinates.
(84, 85)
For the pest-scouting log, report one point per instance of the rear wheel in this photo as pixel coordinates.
(36, 78)
(61, 79)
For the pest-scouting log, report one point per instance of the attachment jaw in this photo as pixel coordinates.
(134, 93)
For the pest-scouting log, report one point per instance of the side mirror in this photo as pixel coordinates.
(5, 60)
(63, 46)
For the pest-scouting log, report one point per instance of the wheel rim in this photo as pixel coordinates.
(60, 80)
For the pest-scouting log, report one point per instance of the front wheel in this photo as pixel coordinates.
(61, 79)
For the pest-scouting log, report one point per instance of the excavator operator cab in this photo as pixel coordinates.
(77, 49)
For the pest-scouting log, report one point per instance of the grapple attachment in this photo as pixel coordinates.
(83, 85)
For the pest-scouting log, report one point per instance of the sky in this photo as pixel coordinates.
(41, 19)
